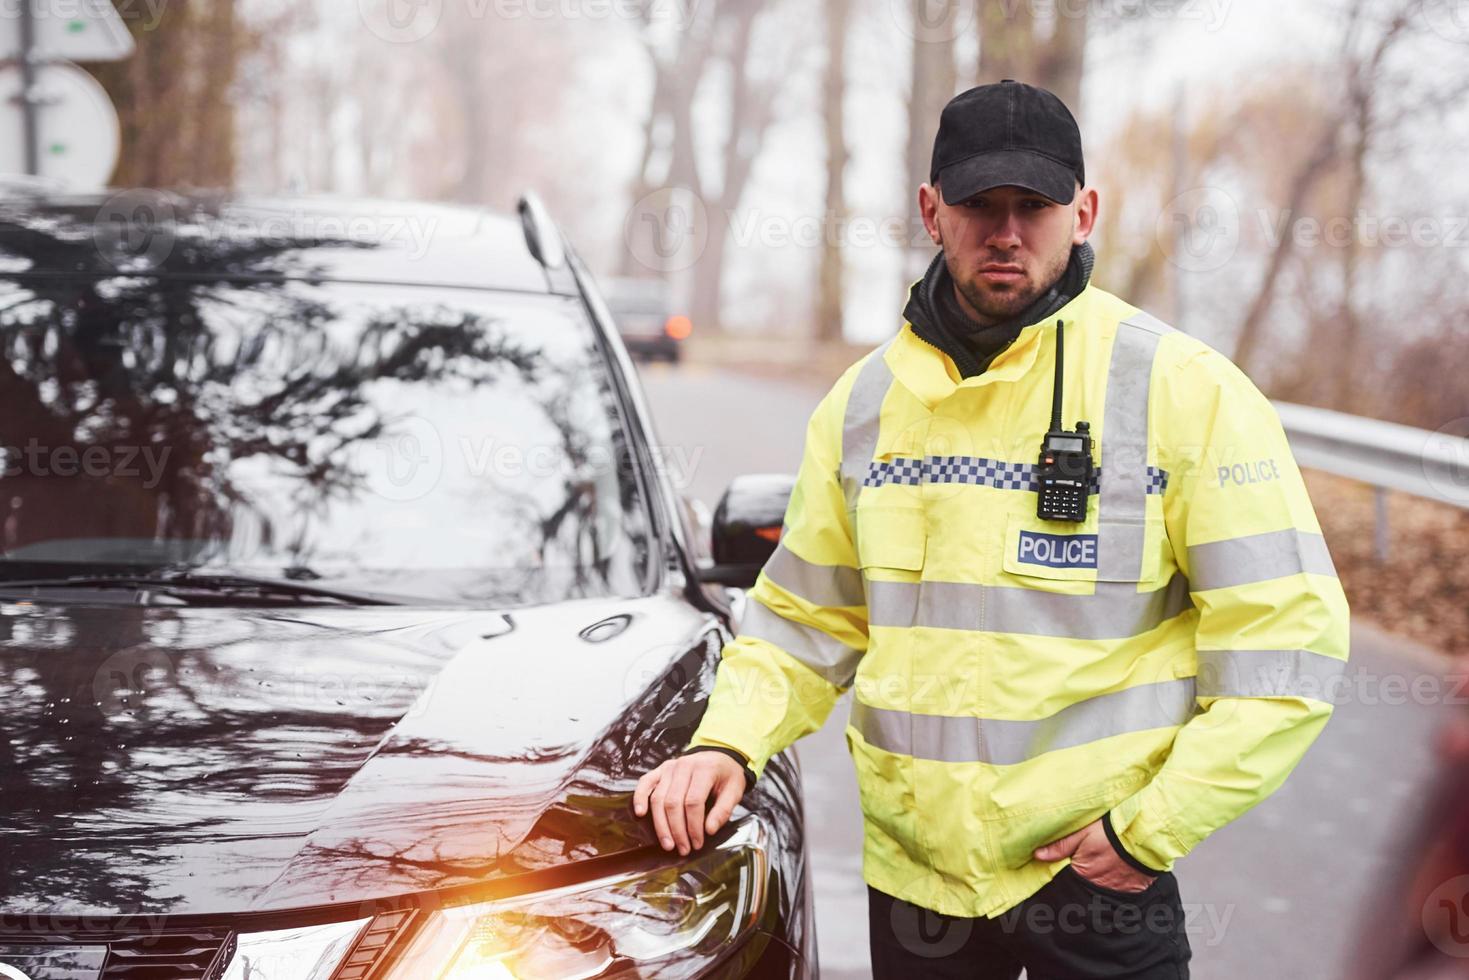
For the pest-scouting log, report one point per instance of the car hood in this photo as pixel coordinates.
(206, 760)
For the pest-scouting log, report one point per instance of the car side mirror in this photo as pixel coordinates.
(747, 525)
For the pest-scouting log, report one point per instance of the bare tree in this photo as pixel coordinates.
(935, 76)
(1349, 135)
(678, 59)
(722, 34)
(829, 299)
(751, 100)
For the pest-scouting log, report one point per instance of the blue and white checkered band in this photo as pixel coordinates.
(978, 471)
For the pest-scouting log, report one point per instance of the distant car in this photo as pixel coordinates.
(342, 605)
(645, 318)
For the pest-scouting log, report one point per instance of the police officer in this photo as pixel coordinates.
(1064, 556)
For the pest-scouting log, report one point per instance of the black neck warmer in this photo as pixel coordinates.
(933, 309)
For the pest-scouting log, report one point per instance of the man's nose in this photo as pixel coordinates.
(1005, 233)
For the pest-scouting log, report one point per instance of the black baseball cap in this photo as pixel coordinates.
(1007, 133)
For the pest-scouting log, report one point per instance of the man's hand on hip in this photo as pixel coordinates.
(678, 791)
(1094, 858)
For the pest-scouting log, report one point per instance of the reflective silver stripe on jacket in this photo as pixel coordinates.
(820, 585)
(817, 649)
(1116, 610)
(1270, 673)
(1258, 558)
(1005, 742)
(862, 421)
(1123, 501)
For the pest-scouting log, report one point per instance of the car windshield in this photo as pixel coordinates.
(448, 444)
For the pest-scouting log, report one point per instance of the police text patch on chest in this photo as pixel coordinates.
(1058, 550)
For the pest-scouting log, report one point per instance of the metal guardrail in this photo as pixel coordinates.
(1432, 465)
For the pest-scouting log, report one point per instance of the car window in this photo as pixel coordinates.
(447, 443)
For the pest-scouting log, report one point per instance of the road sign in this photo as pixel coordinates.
(78, 134)
(76, 30)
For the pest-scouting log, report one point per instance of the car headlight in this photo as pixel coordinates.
(673, 921)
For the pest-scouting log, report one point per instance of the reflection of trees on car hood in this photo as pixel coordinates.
(243, 359)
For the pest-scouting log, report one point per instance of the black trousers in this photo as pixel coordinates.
(1071, 929)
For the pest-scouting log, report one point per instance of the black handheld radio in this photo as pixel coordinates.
(1064, 473)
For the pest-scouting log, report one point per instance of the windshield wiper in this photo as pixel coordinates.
(195, 585)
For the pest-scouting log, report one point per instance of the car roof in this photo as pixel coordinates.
(222, 234)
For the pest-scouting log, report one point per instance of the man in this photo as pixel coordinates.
(1058, 696)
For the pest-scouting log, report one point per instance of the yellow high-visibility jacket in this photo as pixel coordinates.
(1168, 660)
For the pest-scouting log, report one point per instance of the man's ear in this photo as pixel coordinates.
(1086, 214)
(928, 208)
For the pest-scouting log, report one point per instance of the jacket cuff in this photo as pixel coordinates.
(733, 754)
(1122, 852)
(1142, 831)
(752, 751)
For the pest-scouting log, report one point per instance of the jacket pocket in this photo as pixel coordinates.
(1114, 894)
(1020, 830)
(890, 537)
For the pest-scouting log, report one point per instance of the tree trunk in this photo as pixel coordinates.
(829, 292)
(214, 139)
(177, 121)
(751, 107)
(1316, 166)
(1007, 44)
(1062, 61)
(934, 79)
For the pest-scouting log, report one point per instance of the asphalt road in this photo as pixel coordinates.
(1279, 893)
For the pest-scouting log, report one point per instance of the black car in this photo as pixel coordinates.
(642, 309)
(342, 606)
